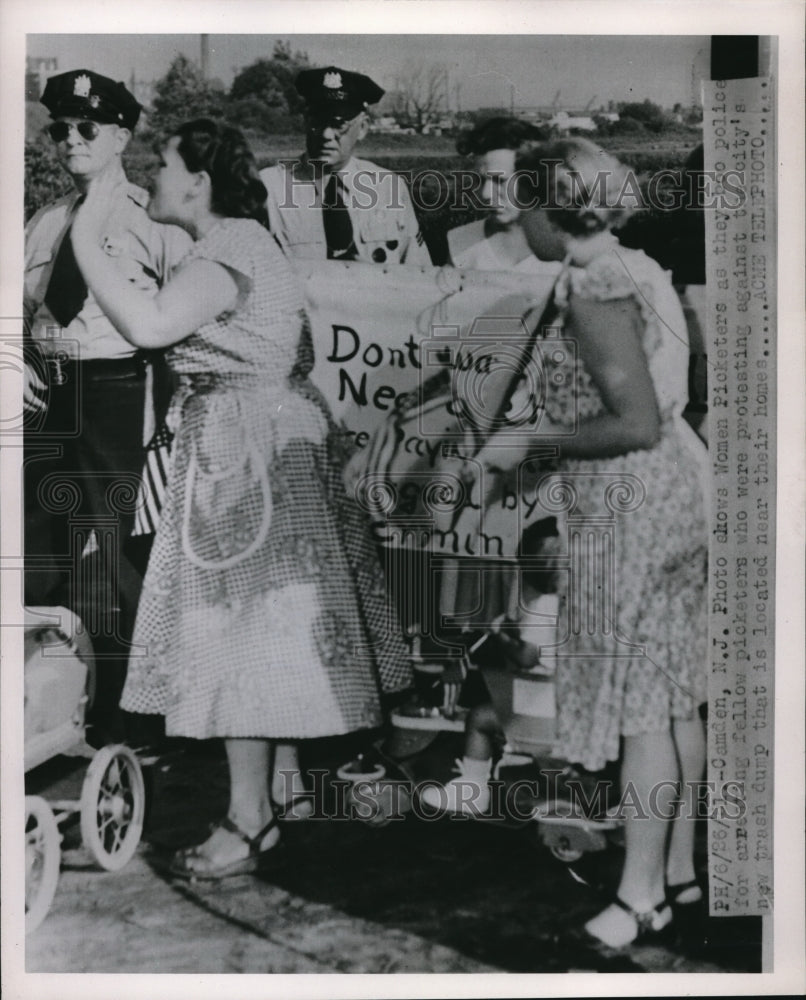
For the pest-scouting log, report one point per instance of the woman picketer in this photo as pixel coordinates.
(632, 671)
(263, 615)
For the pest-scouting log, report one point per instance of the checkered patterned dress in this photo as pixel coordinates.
(264, 610)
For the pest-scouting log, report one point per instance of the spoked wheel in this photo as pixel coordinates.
(112, 806)
(43, 855)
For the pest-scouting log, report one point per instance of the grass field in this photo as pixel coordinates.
(653, 150)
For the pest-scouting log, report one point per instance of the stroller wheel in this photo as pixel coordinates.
(42, 860)
(377, 803)
(566, 853)
(367, 804)
(112, 806)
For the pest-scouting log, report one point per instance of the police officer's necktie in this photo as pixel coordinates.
(67, 290)
(338, 227)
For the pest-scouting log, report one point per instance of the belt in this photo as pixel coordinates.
(96, 369)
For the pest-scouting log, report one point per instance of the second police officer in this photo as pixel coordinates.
(328, 203)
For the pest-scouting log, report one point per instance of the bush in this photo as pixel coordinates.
(650, 115)
(625, 125)
(45, 180)
(266, 90)
(182, 95)
(253, 115)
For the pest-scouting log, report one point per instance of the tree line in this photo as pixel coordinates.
(263, 100)
(262, 96)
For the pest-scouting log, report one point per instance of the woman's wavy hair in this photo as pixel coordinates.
(224, 154)
(583, 189)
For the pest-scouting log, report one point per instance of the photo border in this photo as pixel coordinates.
(785, 19)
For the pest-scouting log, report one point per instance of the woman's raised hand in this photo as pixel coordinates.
(92, 216)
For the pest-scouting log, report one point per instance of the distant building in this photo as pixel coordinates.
(387, 124)
(564, 122)
(37, 71)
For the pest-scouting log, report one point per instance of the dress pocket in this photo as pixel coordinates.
(227, 506)
(227, 513)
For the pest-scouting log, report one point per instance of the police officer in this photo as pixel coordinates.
(85, 390)
(330, 204)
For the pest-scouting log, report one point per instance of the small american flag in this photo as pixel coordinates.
(151, 495)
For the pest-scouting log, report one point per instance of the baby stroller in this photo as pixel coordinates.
(516, 666)
(520, 681)
(59, 684)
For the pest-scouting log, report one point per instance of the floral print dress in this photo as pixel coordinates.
(633, 653)
(264, 611)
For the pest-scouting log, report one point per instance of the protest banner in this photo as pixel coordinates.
(445, 347)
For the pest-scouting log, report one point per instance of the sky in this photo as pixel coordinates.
(485, 68)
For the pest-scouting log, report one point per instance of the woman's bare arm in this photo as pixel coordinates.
(198, 293)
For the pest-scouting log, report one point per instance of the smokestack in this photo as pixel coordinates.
(205, 56)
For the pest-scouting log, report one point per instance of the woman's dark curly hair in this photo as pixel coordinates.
(499, 133)
(224, 154)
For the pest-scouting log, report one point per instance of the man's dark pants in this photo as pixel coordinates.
(83, 463)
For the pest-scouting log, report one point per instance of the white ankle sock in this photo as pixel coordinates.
(476, 770)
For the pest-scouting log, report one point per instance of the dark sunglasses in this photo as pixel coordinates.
(58, 131)
(339, 125)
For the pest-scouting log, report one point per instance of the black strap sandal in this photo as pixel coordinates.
(183, 862)
(683, 893)
(650, 923)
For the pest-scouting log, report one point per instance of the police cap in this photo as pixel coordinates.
(337, 91)
(81, 93)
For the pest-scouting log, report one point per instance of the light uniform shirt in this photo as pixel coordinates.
(145, 252)
(385, 228)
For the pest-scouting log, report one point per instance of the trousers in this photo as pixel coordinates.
(83, 458)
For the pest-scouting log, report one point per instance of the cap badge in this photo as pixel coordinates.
(95, 100)
(332, 81)
(82, 86)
